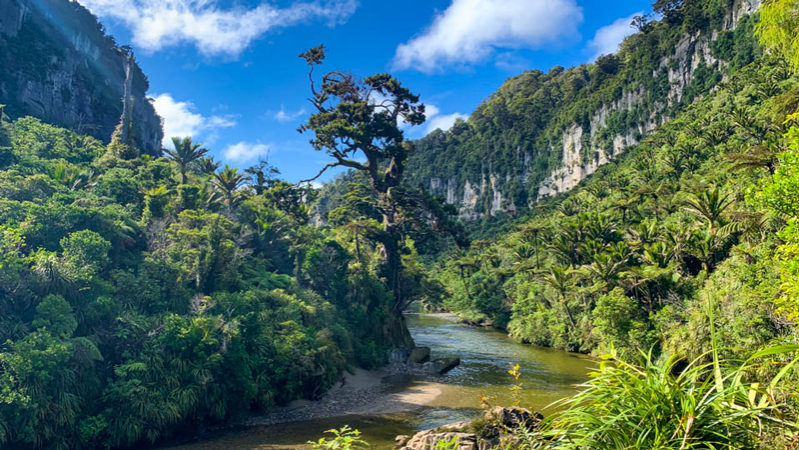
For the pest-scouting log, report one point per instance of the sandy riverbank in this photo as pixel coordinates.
(383, 391)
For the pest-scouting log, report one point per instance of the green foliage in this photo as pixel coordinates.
(618, 321)
(668, 404)
(777, 28)
(344, 439)
(142, 296)
(697, 208)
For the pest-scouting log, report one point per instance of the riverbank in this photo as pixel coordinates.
(388, 390)
(392, 401)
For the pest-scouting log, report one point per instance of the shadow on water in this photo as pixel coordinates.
(547, 375)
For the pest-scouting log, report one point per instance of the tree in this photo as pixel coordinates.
(710, 205)
(562, 280)
(262, 176)
(207, 165)
(531, 234)
(185, 154)
(229, 180)
(670, 9)
(355, 119)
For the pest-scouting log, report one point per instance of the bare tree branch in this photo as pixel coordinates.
(324, 169)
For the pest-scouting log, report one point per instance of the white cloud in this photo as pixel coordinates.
(285, 117)
(433, 117)
(214, 30)
(444, 122)
(608, 38)
(469, 31)
(431, 111)
(180, 120)
(245, 151)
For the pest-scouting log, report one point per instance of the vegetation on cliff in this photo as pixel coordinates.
(514, 140)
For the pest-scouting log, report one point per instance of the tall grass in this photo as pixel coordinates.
(672, 403)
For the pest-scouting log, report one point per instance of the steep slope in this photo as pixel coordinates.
(57, 64)
(542, 133)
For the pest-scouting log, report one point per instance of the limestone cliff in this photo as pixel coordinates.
(541, 134)
(57, 64)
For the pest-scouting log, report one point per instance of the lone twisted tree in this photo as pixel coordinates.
(357, 122)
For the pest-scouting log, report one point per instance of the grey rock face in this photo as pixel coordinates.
(57, 64)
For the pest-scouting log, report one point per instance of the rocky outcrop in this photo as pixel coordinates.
(57, 64)
(494, 430)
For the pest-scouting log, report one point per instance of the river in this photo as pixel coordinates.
(547, 375)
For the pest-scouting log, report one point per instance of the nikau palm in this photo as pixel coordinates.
(229, 180)
(185, 153)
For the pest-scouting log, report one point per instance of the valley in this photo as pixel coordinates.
(598, 256)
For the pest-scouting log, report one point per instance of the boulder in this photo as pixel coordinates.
(493, 430)
(459, 431)
(419, 355)
(441, 365)
(513, 416)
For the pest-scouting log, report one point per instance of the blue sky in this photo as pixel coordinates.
(228, 72)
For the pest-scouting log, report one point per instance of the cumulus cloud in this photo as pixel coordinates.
(180, 119)
(245, 151)
(434, 119)
(288, 116)
(608, 38)
(444, 122)
(214, 30)
(469, 31)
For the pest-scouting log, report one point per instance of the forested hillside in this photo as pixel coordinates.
(542, 133)
(628, 259)
(142, 296)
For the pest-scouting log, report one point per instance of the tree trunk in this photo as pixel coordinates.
(396, 329)
(568, 311)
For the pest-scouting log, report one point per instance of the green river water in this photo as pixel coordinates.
(547, 375)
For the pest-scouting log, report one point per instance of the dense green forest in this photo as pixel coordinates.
(142, 295)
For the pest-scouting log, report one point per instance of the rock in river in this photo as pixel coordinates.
(441, 365)
(419, 355)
